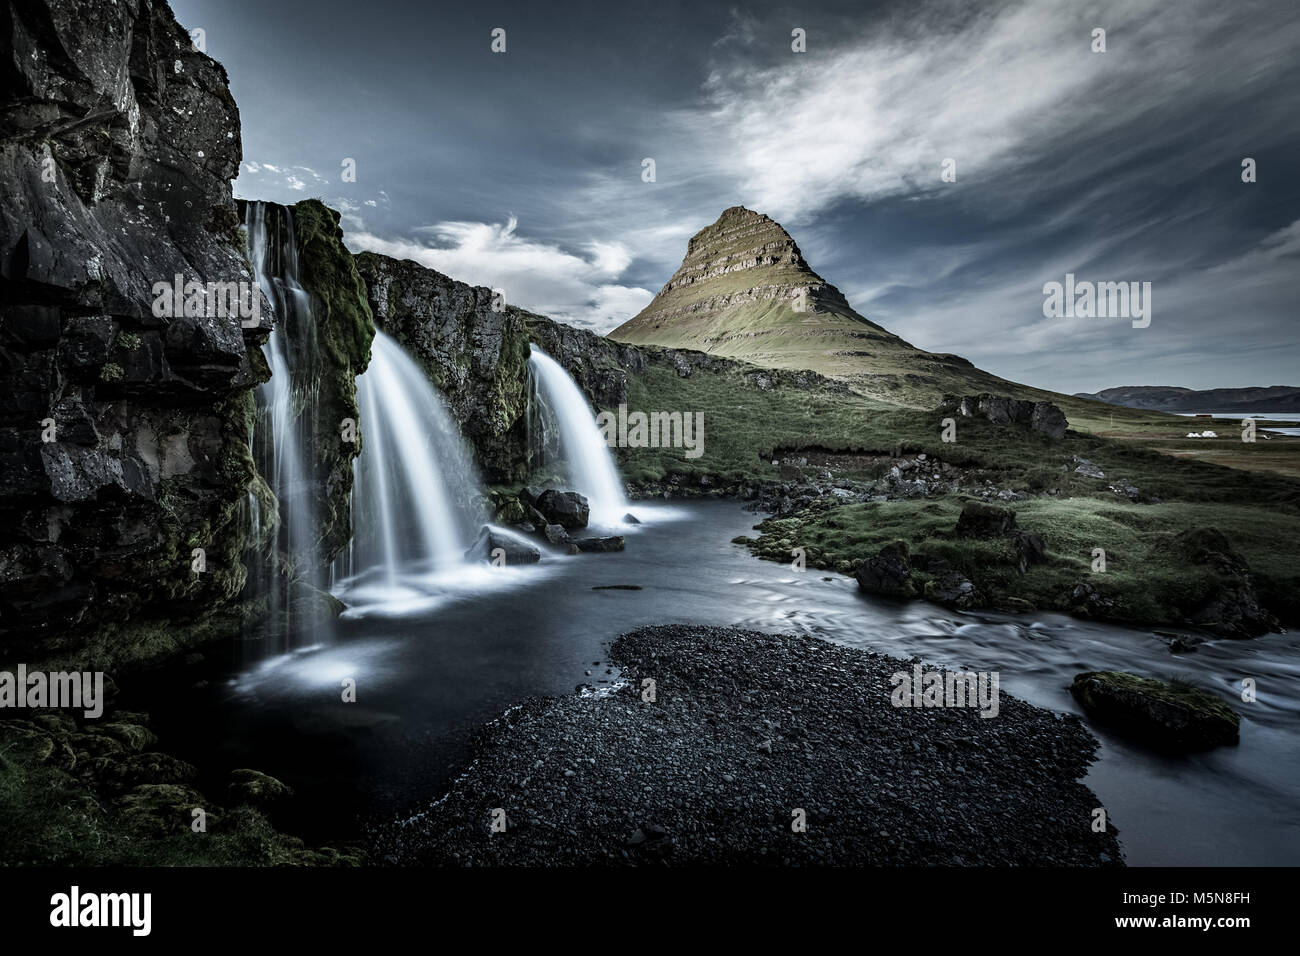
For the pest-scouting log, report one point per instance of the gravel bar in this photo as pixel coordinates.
(748, 733)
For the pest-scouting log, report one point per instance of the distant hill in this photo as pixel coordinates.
(745, 291)
(1169, 398)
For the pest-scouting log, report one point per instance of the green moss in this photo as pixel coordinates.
(112, 372)
(344, 329)
(52, 818)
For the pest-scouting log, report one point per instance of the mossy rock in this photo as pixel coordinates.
(122, 773)
(131, 736)
(1170, 716)
(160, 810)
(257, 789)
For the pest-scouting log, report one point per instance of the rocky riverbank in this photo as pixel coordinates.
(747, 735)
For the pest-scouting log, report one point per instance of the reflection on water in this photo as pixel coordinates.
(424, 677)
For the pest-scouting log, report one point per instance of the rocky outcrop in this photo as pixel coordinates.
(980, 520)
(1231, 607)
(475, 355)
(124, 457)
(1170, 716)
(888, 573)
(494, 547)
(1041, 417)
(568, 509)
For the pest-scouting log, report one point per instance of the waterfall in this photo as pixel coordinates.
(589, 465)
(286, 406)
(416, 500)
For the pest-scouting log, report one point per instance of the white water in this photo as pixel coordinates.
(286, 409)
(589, 465)
(416, 503)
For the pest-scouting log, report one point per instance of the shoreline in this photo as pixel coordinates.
(746, 729)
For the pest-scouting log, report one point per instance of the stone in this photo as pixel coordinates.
(888, 573)
(1170, 716)
(1086, 468)
(489, 540)
(566, 508)
(1027, 548)
(1043, 418)
(258, 790)
(979, 520)
(614, 542)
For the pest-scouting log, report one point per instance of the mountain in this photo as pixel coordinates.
(738, 294)
(1170, 398)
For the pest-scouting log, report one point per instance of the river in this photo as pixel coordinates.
(427, 678)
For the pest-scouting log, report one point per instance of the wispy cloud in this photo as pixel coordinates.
(579, 288)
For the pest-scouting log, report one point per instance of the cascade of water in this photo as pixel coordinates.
(416, 501)
(285, 421)
(590, 466)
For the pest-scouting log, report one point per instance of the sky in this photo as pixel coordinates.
(523, 170)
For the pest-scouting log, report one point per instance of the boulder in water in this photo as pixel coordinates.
(556, 534)
(1173, 716)
(516, 552)
(566, 508)
(614, 542)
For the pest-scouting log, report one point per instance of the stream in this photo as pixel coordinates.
(427, 677)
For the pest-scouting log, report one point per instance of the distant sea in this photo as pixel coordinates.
(1270, 416)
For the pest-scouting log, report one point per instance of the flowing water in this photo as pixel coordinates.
(426, 678)
(438, 643)
(416, 498)
(590, 466)
(286, 405)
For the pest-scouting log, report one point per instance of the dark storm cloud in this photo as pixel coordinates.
(523, 170)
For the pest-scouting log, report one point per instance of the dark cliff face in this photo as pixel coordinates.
(123, 434)
(477, 357)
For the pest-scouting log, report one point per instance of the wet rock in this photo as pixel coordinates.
(1087, 601)
(489, 541)
(953, 589)
(1171, 716)
(888, 573)
(614, 542)
(556, 534)
(630, 518)
(566, 508)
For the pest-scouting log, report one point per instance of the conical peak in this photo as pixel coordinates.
(736, 230)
